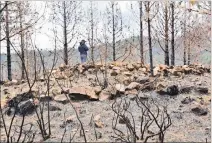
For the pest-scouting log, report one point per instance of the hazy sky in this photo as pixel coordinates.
(43, 36)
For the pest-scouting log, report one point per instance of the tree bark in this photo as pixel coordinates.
(65, 34)
(184, 41)
(22, 43)
(141, 33)
(172, 32)
(189, 45)
(92, 37)
(149, 38)
(166, 37)
(9, 73)
(114, 45)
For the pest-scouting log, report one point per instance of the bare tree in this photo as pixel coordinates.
(8, 44)
(141, 32)
(115, 25)
(166, 35)
(66, 16)
(172, 33)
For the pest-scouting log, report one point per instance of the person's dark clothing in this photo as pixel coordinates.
(83, 49)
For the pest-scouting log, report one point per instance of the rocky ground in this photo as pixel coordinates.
(185, 90)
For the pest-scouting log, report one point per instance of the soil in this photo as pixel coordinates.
(186, 126)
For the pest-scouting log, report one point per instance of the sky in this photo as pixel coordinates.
(43, 37)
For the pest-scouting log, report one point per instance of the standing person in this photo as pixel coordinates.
(83, 51)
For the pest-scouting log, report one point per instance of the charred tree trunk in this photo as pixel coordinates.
(1, 72)
(166, 37)
(22, 43)
(141, 33)
(9, 73)
(149, 38)
(65, 34)
(184, 41)
(189, 46)
(114, 42)
(92, 37)
(172, 32)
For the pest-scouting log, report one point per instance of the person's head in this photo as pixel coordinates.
(83, 42)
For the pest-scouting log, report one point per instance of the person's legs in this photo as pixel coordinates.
(83, 58)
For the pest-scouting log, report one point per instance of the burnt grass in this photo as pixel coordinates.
(186, 126)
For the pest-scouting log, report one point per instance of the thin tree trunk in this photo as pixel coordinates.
(172, 41)
(184, 41)
(92, 46)
(166, 37)
(114, 46)
(141, 34)
(1, 72)
(22, 43)
(65, 35)
(149, 37)
(189, 48)
(8, 45)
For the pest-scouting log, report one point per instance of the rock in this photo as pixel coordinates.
(10, 83)
(116, 68)
(42, 79)
(200, 111)
(26, 107)
(68, 73)
(99, 135)
(44, 97)
(98, 65)
(142, 69)
(114, 72)
(187, 100)
(80, 93)
(148, 86)
(201, 89)
(124, 121)
(6, 91)
(99, 124)
(186, 89)
(54, 108)
(156, 71)
(59, 76)
(20, 97)
(136, 65)
(61, 99)
(8, 111)
(104, 95)
(133, 85)
(56, 92)
(127, 73)
(130, 67)
(70, 119)
(65, 91)
(90, 71)
(199, 83)
(62, 67)
(81, 69)
(131, 92)
(187, 70)
(120, 88)
(97, 90)
(163, 67)
(126, 80)
(172, 90)
(97, 117)
(142, 79)
(160, 88)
